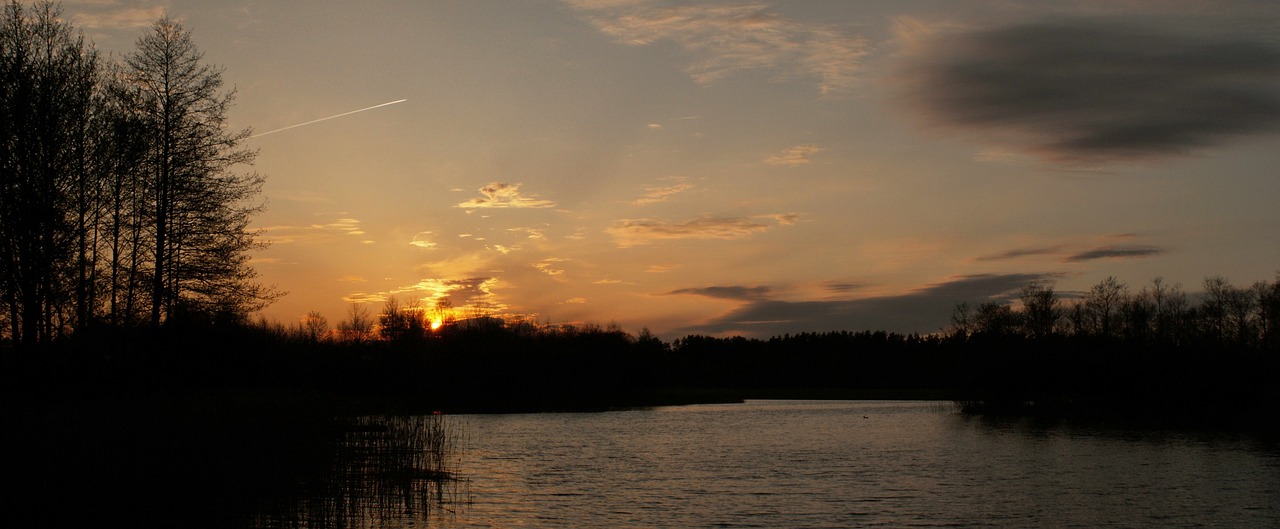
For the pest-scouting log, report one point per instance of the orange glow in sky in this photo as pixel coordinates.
(725, 167)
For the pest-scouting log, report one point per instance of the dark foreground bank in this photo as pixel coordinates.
(187, 427)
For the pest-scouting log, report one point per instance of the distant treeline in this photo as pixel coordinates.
(1150, 355)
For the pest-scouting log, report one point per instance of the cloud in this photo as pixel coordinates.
(364, 297)
(924, 310)
(504, 195)
(109, 16)
(575, 301)
(840, 287)
(286, 234)
(720, 40)
(633, 232)
(661, 268)
(1021, 252)
(530, 233)
(466, 294)
(1093, 90)
(657, 194)
(798, 155)
(548, 266)
(728, 292)
(421, 240)
(785, 219)
(1116, 252)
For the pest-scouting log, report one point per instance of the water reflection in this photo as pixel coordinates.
(381, 471)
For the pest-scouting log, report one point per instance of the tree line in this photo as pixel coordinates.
(119, 202)
(1158, 313)
(1154, 353)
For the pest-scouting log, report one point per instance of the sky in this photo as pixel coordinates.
(742, 168)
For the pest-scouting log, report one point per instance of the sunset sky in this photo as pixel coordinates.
(748, 168)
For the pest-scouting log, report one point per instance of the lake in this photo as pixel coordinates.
(836, 464)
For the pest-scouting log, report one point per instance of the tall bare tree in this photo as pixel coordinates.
(199, 207)
(48, 79)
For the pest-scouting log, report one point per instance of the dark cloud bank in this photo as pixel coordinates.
(1096, 90)
(924, 311)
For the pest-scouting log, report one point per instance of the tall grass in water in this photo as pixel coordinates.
(385, 471)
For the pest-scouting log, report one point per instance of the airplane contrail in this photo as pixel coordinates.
(328, 118)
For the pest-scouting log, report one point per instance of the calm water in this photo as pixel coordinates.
(845, 464)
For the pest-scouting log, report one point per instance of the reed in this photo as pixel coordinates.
(385, 471)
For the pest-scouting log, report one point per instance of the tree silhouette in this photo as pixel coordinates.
(1102, 306)
(315, 326)
(200, 210)
(48, 81)
(117, 199)
(1040, 309)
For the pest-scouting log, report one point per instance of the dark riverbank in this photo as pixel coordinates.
(189, 424)
(501, 369)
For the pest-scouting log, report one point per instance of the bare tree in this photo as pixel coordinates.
(48, 81)
(995, 318)
(1268, 312)
(1212, 312)
(1102, 306)
(962, 320)
(315, 326)
(200, 210)
(358, 326)
(1040, 311)
(1170, 310)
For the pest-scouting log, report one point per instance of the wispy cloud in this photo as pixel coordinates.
(784, 219)
(798, 155)
(1021, 252)
(99, 15)
(925, 310)
(718, 40)
(364, 297)
(504, 195)
(1092, 90)
(548, 266)
(841, 287)
(655, 194)
(529, 233)
(632, 232)
(286, 234)
(422, 240)
(661, 268)
(728, 292)
(1116, 252)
